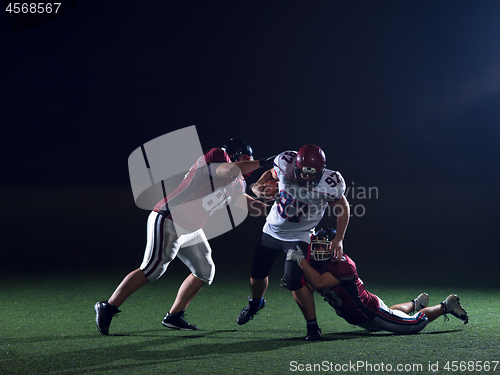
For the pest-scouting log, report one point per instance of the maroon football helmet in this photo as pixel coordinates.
(309, 165)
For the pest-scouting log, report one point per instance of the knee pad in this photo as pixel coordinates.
(294, 279)
(207, 276)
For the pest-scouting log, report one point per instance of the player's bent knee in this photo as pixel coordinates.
(293, 284)
(205, 274)
(258, 275)
(207, 279)
(154, 272)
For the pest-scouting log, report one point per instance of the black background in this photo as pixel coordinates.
(402, 96)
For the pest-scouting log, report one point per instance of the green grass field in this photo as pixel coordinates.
(47, 327)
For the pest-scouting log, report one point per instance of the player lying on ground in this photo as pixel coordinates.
(339, 284)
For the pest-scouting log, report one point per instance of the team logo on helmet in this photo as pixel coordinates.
(320, 244)
(309, 165)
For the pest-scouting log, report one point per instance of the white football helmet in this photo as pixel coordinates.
(320, 244)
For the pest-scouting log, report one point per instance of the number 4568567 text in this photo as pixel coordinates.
(33, 8)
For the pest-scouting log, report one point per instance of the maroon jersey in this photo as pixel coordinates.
(350, 299)
(201, 192)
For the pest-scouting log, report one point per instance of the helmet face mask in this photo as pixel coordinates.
(307, 177)
(309, 165)
(320, 245)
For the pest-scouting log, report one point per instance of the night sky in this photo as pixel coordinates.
(401, 95)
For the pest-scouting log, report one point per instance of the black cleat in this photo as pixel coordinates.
(104, 313)
(177, 321)
(249, 311)
(313, 333)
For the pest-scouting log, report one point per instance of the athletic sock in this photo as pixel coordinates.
(257, 301)
(313, 323)
(445, 316)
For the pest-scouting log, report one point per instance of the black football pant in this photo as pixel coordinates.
(268, 250)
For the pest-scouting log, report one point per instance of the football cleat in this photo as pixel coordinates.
(452, 306)
(313, 333)
(104, 313)
(250, 311)
(177, 321)
(421, 302)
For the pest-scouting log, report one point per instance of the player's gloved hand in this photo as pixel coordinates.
(266, 163)
(295, 255)
(337, 248)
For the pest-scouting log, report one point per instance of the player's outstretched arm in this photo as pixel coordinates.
(343, 212)
(235, 169)
(243, 166)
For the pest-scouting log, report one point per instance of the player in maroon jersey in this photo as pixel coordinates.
(175, 229)
(339, 284)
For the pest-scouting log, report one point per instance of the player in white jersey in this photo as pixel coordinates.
(306, 188)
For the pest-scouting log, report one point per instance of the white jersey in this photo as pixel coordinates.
(299, 210)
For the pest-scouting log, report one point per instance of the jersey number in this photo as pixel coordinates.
(291, 209)
(333, 180)
(215, 201)
(289, 156)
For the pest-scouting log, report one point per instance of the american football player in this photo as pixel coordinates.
(338, 282)
(306, 188)
(175, 229)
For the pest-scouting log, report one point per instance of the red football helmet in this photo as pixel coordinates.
(309, 165)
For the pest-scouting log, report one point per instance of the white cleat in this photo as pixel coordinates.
(452, 306)
(421, 302)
